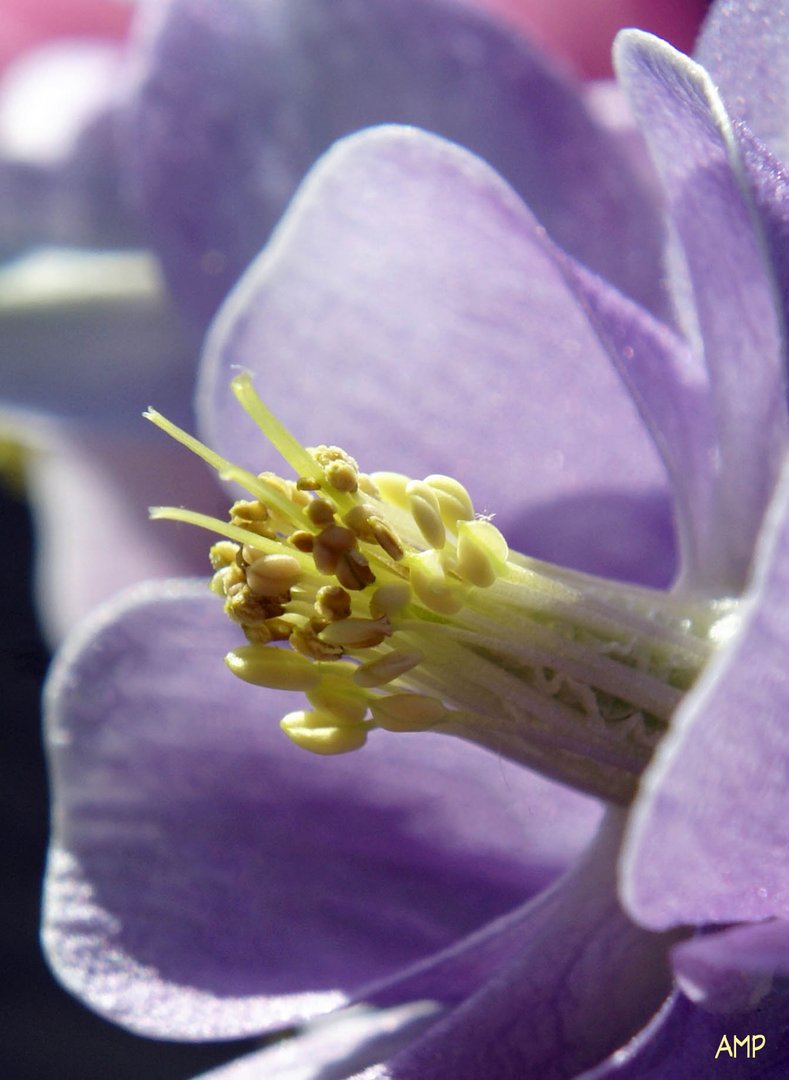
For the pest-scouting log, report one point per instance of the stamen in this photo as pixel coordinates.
(391, 605)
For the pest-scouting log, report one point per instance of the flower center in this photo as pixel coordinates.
(390, 604)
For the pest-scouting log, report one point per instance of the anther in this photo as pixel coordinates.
(333, 603)
(329, 545)
(392, 487)
(432, 586)
(273, 575)
(357, 633)
(353, 571)
(423, 504)
(278, 669)
(323, 733)
(408, 712)
(454, 500)
(481, 552)
(384, 669)
(320, 512)
(302, 540)
(389, 599)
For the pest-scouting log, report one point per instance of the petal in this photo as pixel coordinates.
(769, 187)
(725, 289)
(709, 835)
(235, 103)
(583, 980)
(672, 396)
(90, 493)
(334, 1048)
(733, 970)
(209, 880)
(744, 48)
(91, 336)
(412, 310)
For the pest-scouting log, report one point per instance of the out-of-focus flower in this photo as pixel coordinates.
(190, 139)
(205, 881)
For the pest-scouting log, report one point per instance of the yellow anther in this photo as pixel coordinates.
(273, 575)
(245, 607)
(248, 510)
(320, 512)
(323, 733)
(481, 552)
(302, 540)
(337, 694)
(432, 587)
(276, 668)
(408, 712)
(332, 602)
(307, 483)
(454, 500)
(392, 487)
(384, 669)
(367, 487)
(342, 476)
(357, 633)
(223, 554)
(424, 508)
(389, 599)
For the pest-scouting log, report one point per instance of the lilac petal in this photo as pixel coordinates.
(733, 970)
(210, 880)
(726, 292)
(236, 101)
(744, 47)
(583, 980)
(90, 493)
(666, 383)
(334, 1048)
(709, 835)
(769, 187)
(682, 1041)
(91, 336)
(370, 323)
(59, 178)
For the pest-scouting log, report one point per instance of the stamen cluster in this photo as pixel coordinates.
(390, 603)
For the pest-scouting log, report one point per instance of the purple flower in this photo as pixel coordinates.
(209, 880)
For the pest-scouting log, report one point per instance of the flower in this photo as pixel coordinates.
(150, 156)
(197, 888)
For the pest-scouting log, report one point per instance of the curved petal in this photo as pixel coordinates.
(335, 1048)
(744, 47)
(726, 292)
(685, 1041)
(583, 980)
(709, 834)
(208, 879)
(91, 336)
(733, 970)
(769, 186)
(673, 398)
(411, 309)
(235, 102)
